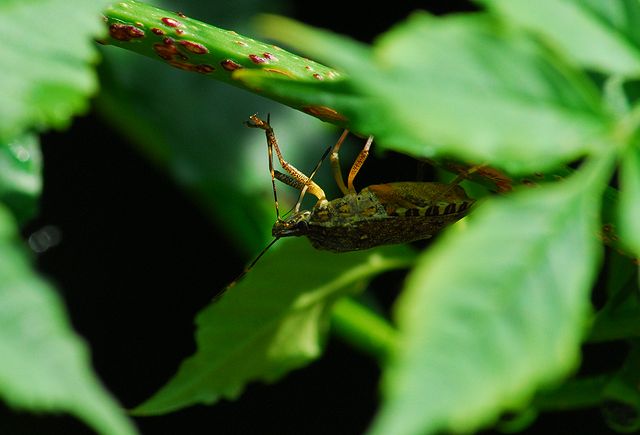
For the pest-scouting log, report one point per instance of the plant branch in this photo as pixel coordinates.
(363, 328)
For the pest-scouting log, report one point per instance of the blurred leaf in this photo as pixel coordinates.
(47, 52)
(21, 176)
(629, 212)
(271, 322)
(460, 86)
(496, 309)
(45, 366)
(602, 35)
(193, 127)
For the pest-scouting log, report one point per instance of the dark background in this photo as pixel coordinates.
(125, 288)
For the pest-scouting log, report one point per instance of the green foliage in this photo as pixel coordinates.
(273, 321)
(494, 313)
(47, 78)
(598, 35)
(45, 366)
(47, 55)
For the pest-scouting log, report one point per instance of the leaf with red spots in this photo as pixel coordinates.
(47, 53)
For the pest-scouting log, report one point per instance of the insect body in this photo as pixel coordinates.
(380, 214)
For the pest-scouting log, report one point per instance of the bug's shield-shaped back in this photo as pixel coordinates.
(421, 199)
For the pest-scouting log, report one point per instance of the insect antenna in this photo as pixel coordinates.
(303, 191)
(246, 269)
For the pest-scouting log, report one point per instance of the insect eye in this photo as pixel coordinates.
(302, 226)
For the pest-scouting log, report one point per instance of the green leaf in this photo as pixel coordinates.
(45, 366)
(47, 52)
(495, 309)
(21, 176)
(629, 212)
(601, 35)
(465, 87)
(273, 321)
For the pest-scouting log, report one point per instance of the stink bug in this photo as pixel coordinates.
(379, 214)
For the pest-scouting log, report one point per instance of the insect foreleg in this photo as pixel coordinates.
(272, 144)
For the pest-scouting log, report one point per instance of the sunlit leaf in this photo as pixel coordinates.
(47, 55)
(602, 35)
(273, 321)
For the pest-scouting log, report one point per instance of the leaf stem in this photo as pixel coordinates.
(363, 328)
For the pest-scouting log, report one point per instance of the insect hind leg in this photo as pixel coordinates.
(334, 159)
(357, 164)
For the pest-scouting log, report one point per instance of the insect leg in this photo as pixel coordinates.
(335, 163)
(255, 122)
(358, 164)
(460, 177)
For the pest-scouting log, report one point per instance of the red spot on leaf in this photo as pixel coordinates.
(230, 65)
(194, 47)
(205, 69)
(165, 51)
(270, 56)
(171, 22)
(257, 59)
(157, 31)
(125, 32)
